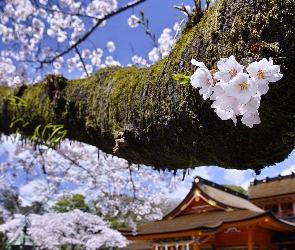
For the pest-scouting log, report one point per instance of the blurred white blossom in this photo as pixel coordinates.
(115, 184)
(133, 21)
(111, 46)
(77, 228)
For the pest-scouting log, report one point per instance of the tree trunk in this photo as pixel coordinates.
(145, 116)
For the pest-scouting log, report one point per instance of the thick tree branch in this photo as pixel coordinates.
(145, 116)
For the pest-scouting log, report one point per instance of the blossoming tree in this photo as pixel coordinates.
(74, 228)
(117, 186)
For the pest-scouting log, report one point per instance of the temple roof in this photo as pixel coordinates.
(225, 196)
(209, 222)
(269, 187)
(138, 245)
(206, 210)
(207, 196)
(207, 206)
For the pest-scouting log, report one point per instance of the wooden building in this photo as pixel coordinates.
(212, 217)
(276, 195)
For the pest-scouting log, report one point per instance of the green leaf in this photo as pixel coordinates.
(178, 7)
(147, 31)
(14, 121)
(36, 133)
(16, 101)
(26, 124)
(291, 134)
(55, 130)
(183, 79)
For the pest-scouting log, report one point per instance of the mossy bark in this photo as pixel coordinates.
(145, 116)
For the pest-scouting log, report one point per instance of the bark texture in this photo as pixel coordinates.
(145, 116)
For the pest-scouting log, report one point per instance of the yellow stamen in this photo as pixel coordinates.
(233, 72)
(243, 85)
(207, 82)
(260, 74)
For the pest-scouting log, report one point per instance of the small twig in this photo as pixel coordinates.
(81, 59)
(166, 61)
(131, 179)
(77, 164)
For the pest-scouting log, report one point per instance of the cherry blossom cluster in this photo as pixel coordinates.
(89, 61)
(39, 31)
(139, 61)
(164, 44)
(38, 35)
(74, 228)
(233, 91)
(118, 187)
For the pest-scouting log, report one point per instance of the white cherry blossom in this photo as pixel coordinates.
(111, 46)
(250, 119)
(111, 62)
(177, 27)
(62, 23)
(165, 42)
(51, 32)
(202, 79)
(252, 105)
(228, 68)
(139, 61)
(133, 21)
(86, 53)
(225, 102)
(264, 71)
(241, 87)
(154, 55)
(43, 1)
(109, 180)
(162, 49)
(226, 114)
(65, 3)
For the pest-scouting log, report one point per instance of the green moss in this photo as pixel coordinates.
(6, 91)
(168, 125)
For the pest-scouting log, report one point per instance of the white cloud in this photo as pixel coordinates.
(234, 176)
(271, 172)
(184, 186)
(246, 183)
(36, 191)
(289, 170)
(6, 145)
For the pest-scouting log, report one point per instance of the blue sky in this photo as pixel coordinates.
(233, 176)
(134, 41)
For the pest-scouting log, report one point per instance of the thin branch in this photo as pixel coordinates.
(131, 179)
(76, 163)
(99, 22)
(81, 59)
(61, 11)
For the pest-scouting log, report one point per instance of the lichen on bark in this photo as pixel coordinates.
(145, 116)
